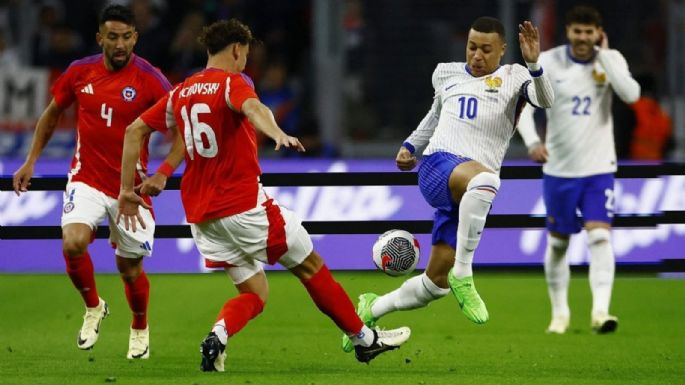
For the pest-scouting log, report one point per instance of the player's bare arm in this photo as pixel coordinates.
(529, 40)
(155, 184)
(263, 119)
(128, 199)
(405, 160)
(44, 129)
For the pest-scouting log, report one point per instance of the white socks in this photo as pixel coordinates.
(558, 274)
(220, 330)
(473, 210)
(602, 267)
(414, 293)
(363, 338)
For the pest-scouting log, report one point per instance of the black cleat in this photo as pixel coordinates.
(213, 354)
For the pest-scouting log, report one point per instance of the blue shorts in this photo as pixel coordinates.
(434, 175)
(593, 196)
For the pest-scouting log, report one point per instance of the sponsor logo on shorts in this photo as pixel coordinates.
(68, 207)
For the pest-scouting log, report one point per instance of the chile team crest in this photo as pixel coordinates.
(128, 93)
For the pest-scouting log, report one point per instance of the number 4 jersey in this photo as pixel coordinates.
(107, 103)
(221, 176)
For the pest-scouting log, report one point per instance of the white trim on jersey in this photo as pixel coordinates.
(77, 155)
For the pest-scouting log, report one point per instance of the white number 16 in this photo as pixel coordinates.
(193, 130)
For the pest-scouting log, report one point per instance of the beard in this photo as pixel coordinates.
(118, 63)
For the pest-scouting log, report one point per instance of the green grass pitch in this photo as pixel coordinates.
(292, 343)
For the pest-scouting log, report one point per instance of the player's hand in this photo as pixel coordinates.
(529, 40)
(603, 41)
(405, 160)
(128, 210)
(538, 152)
(289, 141)
(153, 185)
(21, 180)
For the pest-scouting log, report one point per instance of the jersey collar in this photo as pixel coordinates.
(579, 61)
(468, 70)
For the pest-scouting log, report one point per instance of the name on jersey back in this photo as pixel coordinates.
(200, 89)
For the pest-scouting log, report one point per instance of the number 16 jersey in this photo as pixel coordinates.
(221, 176)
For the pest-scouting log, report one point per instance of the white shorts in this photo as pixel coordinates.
(84, 204)
(268, 233)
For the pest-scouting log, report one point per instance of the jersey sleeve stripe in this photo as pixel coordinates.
(150, 69)
(87, 60)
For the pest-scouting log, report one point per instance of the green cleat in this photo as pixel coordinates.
(469, 301)
(364, 311)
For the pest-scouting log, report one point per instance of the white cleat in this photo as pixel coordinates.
(383, 341)
(139, 344)
(559, 325)
(604, 323)
(90, 330)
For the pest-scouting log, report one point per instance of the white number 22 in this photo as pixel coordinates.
(193, 130)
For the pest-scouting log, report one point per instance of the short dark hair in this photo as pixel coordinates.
(584, 14)
(487, 24)
(117, 12)
(221, 34)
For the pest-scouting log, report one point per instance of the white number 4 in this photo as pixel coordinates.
(193, 130)
(106, 113)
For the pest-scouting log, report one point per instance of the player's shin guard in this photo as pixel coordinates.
(602, 268)
(333, 301)
(557, 274)
(414, 293)
(238, 311)
(138, 296)
(473, 210)
(80, 270)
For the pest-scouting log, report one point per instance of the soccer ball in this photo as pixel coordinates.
(396, 252)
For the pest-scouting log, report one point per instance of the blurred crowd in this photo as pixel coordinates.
(391, 46)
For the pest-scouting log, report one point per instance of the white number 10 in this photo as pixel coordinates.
(193, 130)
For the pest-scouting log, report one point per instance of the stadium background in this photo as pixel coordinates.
(351, 79)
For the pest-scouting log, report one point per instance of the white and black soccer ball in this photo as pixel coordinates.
(396, 252)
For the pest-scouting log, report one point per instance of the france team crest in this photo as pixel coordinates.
(128, 93)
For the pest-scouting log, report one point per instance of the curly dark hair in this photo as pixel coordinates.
(488, 24)
(116, 12)
(584, 14)
(221, 34)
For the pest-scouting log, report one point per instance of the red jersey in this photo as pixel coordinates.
(107, 103)
(221, 176)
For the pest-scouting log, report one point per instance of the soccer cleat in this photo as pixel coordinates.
(139, 344)
(559, 325)
(213, 354)
(604, 323)
(383, 341)
(470, 302)
(90, 330)
(364, 311)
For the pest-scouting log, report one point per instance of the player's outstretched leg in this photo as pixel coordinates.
(383, 341)
(90, 330)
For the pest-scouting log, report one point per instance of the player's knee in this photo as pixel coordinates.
(598, 236)
(485, 184)
(74, 247)
(558, 245)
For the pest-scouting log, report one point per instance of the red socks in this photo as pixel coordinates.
(333, 301)
(138, 295)
(80, 270)
(238, 311)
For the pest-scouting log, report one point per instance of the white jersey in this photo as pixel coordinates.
(580, 130)
(475, 117)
